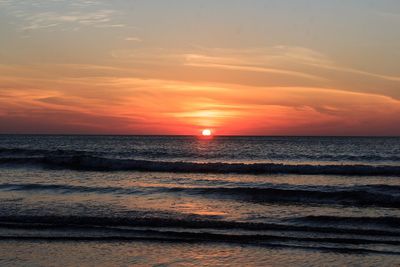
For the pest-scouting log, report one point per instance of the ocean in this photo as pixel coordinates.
(193, 201)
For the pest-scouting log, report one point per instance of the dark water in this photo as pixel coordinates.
(306, 200)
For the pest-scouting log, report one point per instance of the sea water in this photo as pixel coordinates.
(192, 201)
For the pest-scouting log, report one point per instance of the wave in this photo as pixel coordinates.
(61, 228)
(339, 245)
(68, 188)
(91, 163)
(355, 221)
(174, 154)
(54, 221)
(43, 152)
(366, 195)
(346, 197)
(334, 245)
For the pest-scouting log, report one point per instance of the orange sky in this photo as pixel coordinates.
(89, 67)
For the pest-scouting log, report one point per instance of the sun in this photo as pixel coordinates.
(206, 132)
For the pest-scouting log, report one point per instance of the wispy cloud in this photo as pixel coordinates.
(217, 62)
(137, 105)
(133, 39)
(49, 14)
(99, 18)
(262, 66)
(263, 59)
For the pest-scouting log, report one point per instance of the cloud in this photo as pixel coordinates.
(91, 103)
(64, 121)
(133, 39)
(264, 66)
(57, 101)
(99, 18)
(49, 14)
(291, 57)
(209, 62)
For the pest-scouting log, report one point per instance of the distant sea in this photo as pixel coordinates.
(192, 201)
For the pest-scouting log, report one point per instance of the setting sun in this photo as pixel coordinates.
(206, 132)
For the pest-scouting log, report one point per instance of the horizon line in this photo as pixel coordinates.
(192, 135)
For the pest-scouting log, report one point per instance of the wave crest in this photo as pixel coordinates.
(92, 163)
(373, 195)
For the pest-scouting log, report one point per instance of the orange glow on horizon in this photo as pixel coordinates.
(179, 81)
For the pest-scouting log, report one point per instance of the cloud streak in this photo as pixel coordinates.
(138, 105)
(67, 15)
(99, 18)
(268, 66)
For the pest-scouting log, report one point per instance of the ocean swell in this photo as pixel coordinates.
(45, 222)
(148, 153)
(373, 195)
(92, 163)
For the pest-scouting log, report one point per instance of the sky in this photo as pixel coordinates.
(237, 67)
